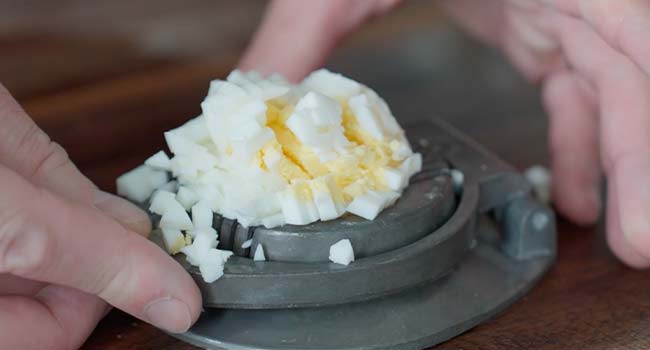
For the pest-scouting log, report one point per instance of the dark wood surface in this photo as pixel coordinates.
(106, 80)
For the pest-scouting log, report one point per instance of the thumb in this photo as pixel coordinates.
(53, 239)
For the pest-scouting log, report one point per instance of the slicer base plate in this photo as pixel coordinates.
(481, 286)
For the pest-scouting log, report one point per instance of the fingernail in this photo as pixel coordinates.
(169, 314)
(123, 211)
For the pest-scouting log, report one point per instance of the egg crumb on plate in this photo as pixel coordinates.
(267, 152)
(341, 252)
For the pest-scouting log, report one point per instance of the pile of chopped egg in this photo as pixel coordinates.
(267, 152)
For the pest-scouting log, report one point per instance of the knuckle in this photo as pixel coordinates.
(25, 247)
(50, 158)
(30, 139)
(37, 155)
(44, 155)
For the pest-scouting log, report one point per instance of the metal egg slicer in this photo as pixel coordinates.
(446, 257)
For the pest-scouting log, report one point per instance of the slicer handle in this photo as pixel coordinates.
(528, 229)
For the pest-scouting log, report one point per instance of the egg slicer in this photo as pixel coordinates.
(445, 258)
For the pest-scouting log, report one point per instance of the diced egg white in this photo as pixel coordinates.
(201, 215)
(266, 152)
(457, 179)
(395, 179)
(174, 240)
(211, 267)
(159, 161)
(341, 252)
(139, 183)
(204, 240)
(367, 118)
(327, 202)
(171, 186)
(212, 264)
(180, 145)
(297, 210)
(161, 201)
(274, 220)
(331, 84)
(540, 178)
(259, 254)
(247, 244)
(186, 197)
(194, 130)
(370, 204)
(207, 234)
(175, 217)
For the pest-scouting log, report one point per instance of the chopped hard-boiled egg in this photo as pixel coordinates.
(540, 178)
(174, 217)
(201, 215)
(247, 244)
(286, 154)
(266, 152)
(259, 254)
(139, 183)
(211, 267)
(174, 240)
(158, 161)
(457, 179)
(341, 252)
(186, 197)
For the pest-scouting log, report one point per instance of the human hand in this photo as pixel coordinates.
(592, 58)
(67, 249)
(296, 36)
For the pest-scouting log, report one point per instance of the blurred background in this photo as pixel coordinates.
(105, 79)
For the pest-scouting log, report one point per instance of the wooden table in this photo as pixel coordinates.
(106, 81)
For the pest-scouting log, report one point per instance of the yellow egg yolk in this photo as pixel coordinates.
(350, 175)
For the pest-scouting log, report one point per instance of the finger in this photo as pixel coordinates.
(535, 53)
(30, 152)
(25, 148)
(14, 285)
(481, 18)
(624, 24)
(533, 59)
(624, 108)
(57, 318)
(616, 240)
(52, 239)
(296, 36)
(125, 212)
(573, 134)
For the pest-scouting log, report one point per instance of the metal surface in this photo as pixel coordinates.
(242, 234)
(424, 206)
(257, 285)
(528, 229)
(409, 297)
(484, 284)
